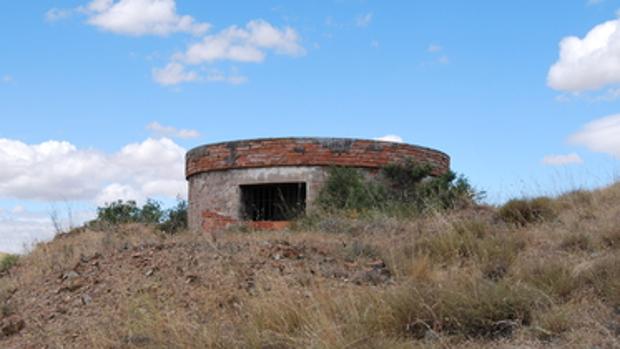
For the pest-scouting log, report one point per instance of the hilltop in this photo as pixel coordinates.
(534, 273)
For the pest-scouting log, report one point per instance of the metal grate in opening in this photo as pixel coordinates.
(273, 201)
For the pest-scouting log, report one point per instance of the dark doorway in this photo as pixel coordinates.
(273, 201)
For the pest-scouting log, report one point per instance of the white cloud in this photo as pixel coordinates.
(595, 2)
(118, 191)
(56, 14)
(374, 44)
(247, 44)
(172, 74)
(169, 131)
(562, 98)
(560, 160)
(390, 138)
(7, 79)
(176, 73)
(250, 43)
(589, 63)
(610, 95)
(364, 20)
(171, 188)
(20, 229)
(58, 170)
(99, 5)
(18, 233)
(141, 17)
(602, 135)
(434, 48)
(217, 76)
(332, 23)
(18, 209)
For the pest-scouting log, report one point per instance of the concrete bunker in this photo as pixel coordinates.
(267, 182)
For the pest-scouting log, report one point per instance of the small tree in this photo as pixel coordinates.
(175, 219)
(119, 212)
(415, 184)
(151, 212)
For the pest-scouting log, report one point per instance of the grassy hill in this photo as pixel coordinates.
(538, 273)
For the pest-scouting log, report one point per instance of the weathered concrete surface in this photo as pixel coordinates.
(217, 195)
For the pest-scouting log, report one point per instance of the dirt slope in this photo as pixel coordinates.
(78, 293)
(463, 279)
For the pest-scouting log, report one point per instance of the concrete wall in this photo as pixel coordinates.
(215, 197)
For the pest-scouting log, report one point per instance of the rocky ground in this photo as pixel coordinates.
(62, 307)
(466, 279)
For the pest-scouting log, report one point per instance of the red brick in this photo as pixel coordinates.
(316, 152)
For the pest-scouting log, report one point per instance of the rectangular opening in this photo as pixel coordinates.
(273, 201)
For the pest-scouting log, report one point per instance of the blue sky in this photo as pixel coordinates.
(100, 99)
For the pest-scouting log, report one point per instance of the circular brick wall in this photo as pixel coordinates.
(216, 172)
(274, 152)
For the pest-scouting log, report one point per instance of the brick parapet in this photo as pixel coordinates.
(274, 152)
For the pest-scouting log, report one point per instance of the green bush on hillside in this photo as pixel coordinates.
(404, 185)
(175, 219)
(415, 184)
(8, 261)
(118, 212)
(151, 213)
(347, 189)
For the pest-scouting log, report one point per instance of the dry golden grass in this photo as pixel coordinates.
(465, 279)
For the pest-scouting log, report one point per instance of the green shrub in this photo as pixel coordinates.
(151, 213)
(523, 212)
(347, 189)
(397, 187)
(118, 212)
(414, 184)
(175, 219)
(404, 180)
(122, 212)
(8, 261)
